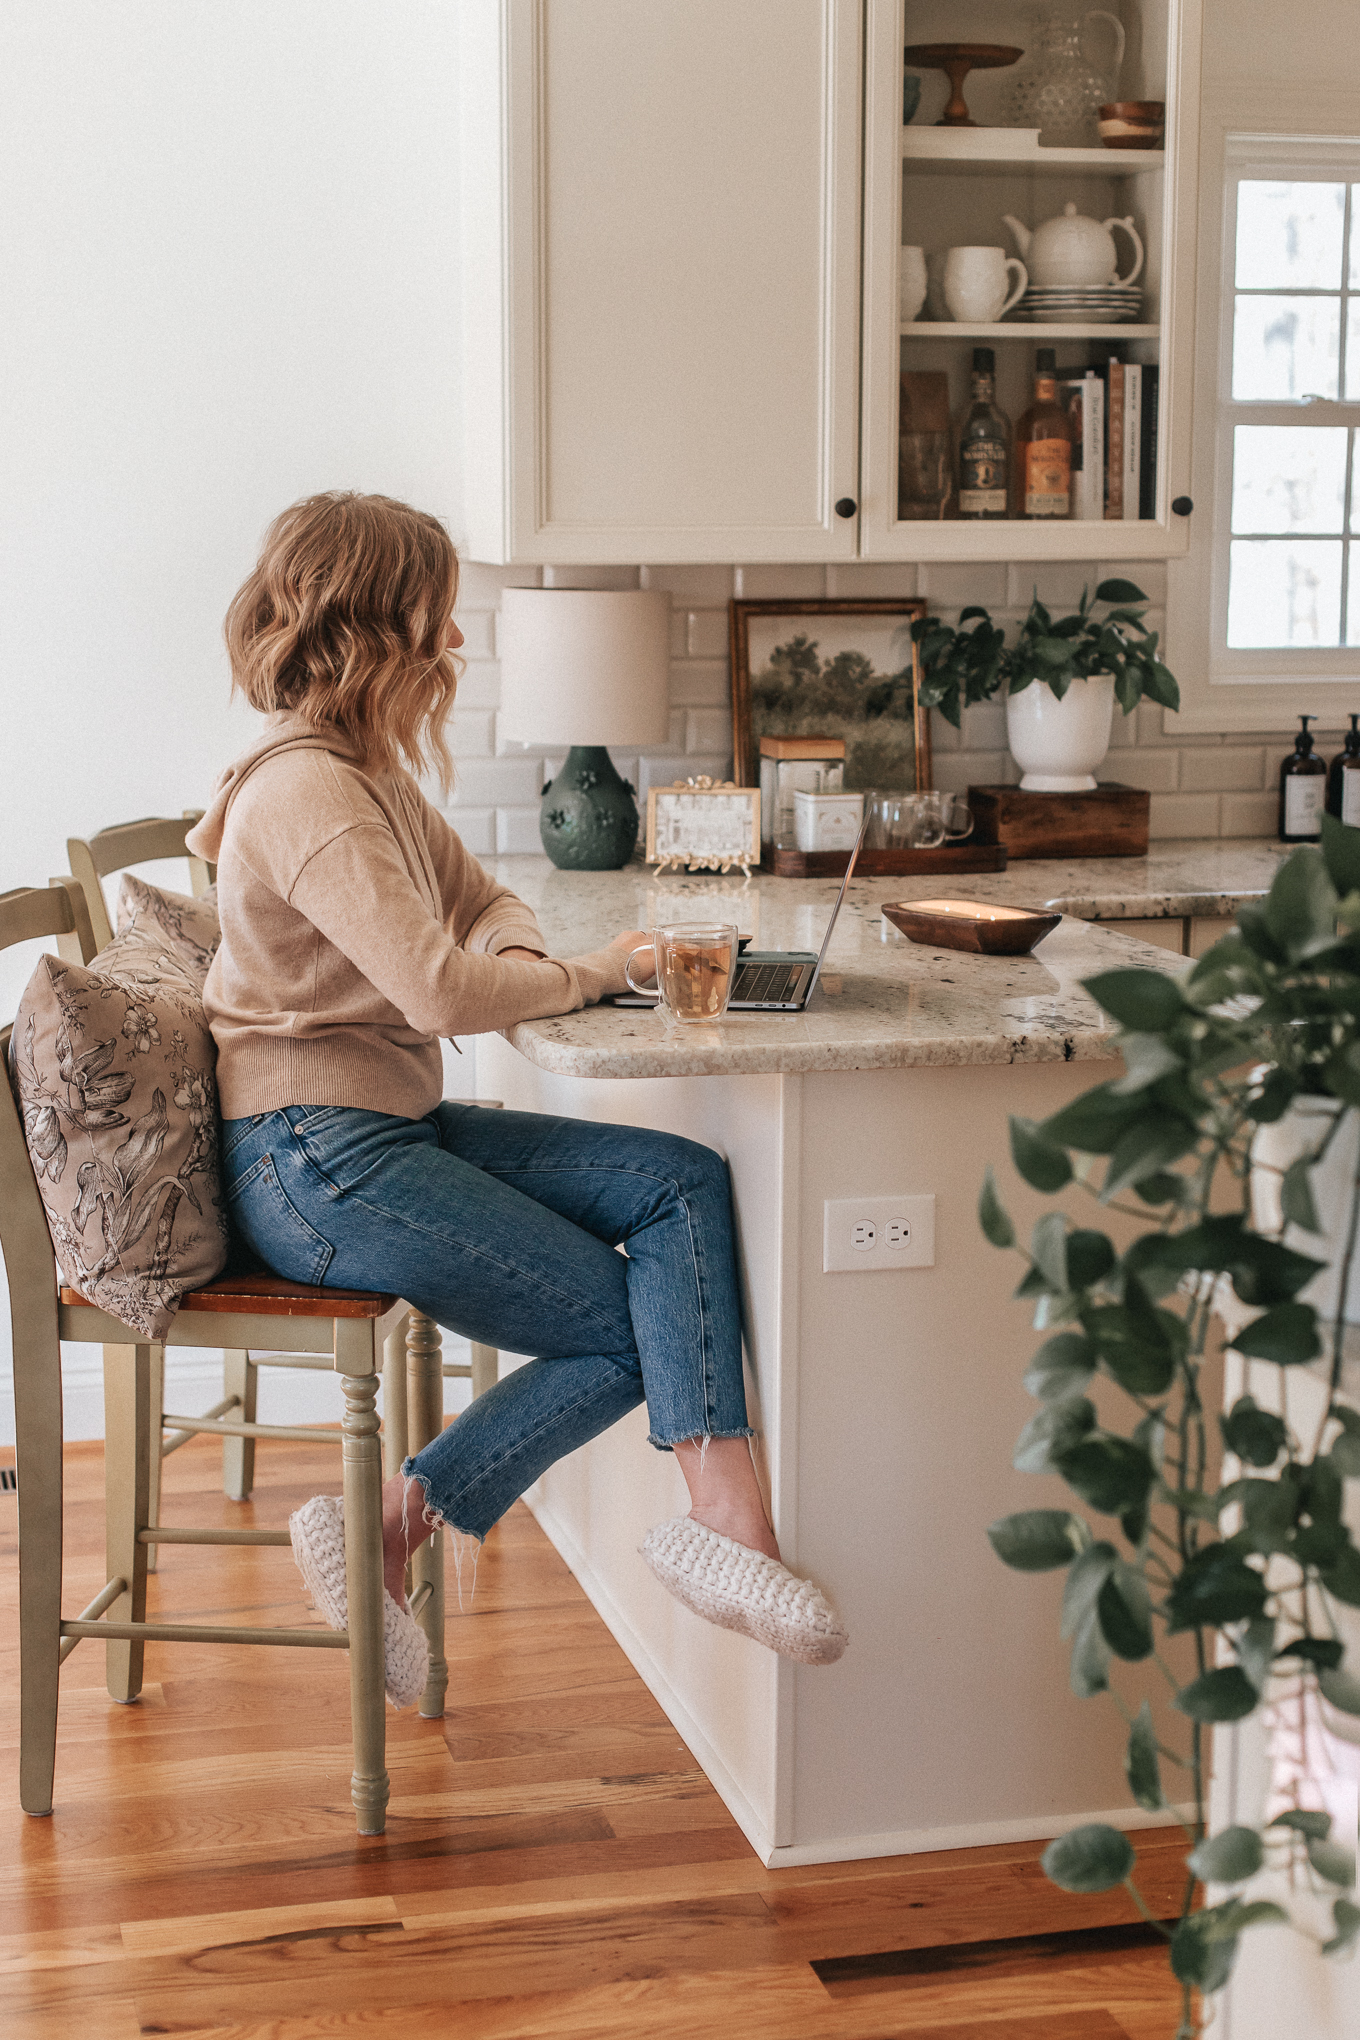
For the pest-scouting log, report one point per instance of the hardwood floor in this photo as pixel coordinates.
(554, 1865)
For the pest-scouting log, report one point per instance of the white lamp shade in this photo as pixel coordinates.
(582, 666)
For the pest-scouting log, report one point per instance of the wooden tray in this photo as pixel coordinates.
(886, 863)
(1111, 822)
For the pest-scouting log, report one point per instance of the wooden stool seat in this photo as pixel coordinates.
(272, 1296)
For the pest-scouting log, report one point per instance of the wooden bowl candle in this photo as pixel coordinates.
(971, 924)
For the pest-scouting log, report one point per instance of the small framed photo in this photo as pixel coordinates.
(844, 668)
(700, 825)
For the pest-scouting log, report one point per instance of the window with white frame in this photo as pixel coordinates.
(1286, 595)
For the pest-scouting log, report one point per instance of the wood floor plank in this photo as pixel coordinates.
(192, 1931)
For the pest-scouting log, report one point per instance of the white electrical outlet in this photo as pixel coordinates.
(860, 1234)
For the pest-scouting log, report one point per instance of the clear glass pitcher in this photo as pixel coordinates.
(1056, 87)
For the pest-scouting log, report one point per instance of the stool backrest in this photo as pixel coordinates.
(32, 913)
(94, 857)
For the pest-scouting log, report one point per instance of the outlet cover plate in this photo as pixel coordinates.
(899, 1231)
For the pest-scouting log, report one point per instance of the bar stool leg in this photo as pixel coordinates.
(486, 1368)
(394, 1401)
(364, 1588)
(127, 1474)
(240, 1377)
(424, 1421)
(153, 1477)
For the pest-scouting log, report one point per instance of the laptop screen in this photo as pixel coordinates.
(840, 898)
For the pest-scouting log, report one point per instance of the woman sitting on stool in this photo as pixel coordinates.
(356, 930)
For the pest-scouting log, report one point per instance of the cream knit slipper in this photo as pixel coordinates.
(738, 1588)
(318, 1533)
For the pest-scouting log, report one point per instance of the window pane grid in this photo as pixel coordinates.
(1294, 500)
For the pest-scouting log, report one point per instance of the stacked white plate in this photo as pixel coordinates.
(1102, 304)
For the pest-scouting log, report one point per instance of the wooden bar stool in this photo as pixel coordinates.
(341, 1329)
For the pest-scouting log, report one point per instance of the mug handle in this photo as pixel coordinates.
(958, 835)
(646, 991)
(1133, 234)
(1014, 262)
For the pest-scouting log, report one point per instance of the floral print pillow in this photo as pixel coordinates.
(183, 927)
(113, 1066)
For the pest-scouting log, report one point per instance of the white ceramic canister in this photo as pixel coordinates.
(827, 821)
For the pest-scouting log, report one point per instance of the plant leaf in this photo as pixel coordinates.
(1332, 1861)
(1214, 1587)
(1062, 1366)
(1048, 1249)
(1090, 1258)
(1341, 851)
(1088, 1859)
(1125, 1614)
(1342, 1578)
(1140, 1762)
(1254, 1434)
(1083, 1583)
(1304, 1821)
(992, 1215)
(1041, 1162)
(1115, 590)
(1111, 1474)
(1225, 1694)
(1341, 1688)
(1056, 1426)
(1145, 1001)
(1300, 908)
(1038, 1540)
(1296, 1195)
(1345, 1916)
(1147, 1059)
(1256, 1650)
(1089, 1671)
(1229, 1857)
(1286, 1334)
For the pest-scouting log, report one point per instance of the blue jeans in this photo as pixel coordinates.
(503, 1226)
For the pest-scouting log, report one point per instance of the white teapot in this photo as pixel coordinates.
(1073, 250)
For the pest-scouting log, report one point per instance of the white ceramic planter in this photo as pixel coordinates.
(1059, 744)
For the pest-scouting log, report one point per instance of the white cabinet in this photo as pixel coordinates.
(682, 336)
(918, 195)
(661, 250)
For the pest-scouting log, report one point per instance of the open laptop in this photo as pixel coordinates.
(780, 980)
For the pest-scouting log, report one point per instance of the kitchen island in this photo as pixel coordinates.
(887, 1401)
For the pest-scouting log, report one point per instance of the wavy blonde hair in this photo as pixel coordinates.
(343, 624)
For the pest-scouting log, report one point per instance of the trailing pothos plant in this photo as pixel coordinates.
(1242, 1579)
(966, 665)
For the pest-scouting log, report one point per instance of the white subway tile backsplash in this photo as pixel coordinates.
(618, 578)
(517, 831)
(1184, 814)
(771, 584)
(1201, 785)
(706, 634)
(868, 577)
(946, 584)
(1250, 814)
(1223, 769)
(698, 586)
(699, 683)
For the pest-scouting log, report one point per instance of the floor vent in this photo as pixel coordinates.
(9, 1480)
(849, 1975)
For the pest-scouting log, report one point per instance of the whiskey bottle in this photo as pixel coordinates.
(1043, 447)
(984, 447)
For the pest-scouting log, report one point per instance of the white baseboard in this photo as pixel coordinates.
(838, 1848)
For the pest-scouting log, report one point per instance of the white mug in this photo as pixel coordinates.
(912, 282)
(975, 284)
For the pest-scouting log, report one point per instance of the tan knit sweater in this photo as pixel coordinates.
(356, 930)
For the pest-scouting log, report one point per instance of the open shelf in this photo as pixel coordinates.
(1015, 329)
(1000, 149)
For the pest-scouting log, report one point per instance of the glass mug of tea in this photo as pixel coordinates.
(695, 964)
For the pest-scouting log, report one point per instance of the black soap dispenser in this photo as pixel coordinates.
(1303, 786)
(1343, 779)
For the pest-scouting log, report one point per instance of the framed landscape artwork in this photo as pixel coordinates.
(844, 668)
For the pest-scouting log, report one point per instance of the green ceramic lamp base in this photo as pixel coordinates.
(589, 819)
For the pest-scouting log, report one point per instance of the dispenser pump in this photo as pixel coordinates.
(1303, 789)
(1343, 779)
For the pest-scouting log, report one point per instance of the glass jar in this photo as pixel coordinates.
(1056, 87)
(790, 766)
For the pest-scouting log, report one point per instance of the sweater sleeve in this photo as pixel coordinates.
(357, 892)
(483, 916)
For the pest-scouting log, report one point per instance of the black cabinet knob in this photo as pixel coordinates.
(1181, 506)
(846, 506)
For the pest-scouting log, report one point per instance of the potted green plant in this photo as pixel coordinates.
(1238, 1589)
(1061, 678)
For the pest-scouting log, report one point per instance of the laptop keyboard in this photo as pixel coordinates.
(767, 983)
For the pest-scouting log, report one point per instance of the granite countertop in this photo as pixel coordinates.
(883, 1002)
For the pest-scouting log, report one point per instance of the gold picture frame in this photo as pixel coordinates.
(703, 825)
(879, 750)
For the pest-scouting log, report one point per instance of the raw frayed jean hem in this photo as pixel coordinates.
(435, 1517)
(700, 1438)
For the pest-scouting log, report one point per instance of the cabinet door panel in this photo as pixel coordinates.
(682, 314)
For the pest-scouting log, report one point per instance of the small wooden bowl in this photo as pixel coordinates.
(971, 924)
(1133, 123)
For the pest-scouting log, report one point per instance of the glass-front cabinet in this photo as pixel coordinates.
(1012, 232)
